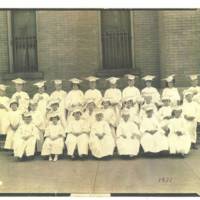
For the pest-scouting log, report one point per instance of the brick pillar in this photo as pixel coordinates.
(179, 33)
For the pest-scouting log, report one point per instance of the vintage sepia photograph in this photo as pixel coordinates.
(100, 102)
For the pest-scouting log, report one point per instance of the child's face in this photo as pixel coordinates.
(55, 120)
(113, 85)
(92, 84)
(149, 113)
(91, 106)
(170, 84)
(126, 117)
(129, 104)
(19, 87)
(189, 97)
(131, 82)
(148, 83)
(27, 120)
(33, 107)
(106, 104)
(55, 106)
(14, 106)
(194, 82)
(58, 86)
(2, 93)
(148, 99)
(75, 86)
(41, 90)
(177, 113)
(166, 102)
(77, 115)
(99, 117)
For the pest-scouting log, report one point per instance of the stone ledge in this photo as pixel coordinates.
(26, 75)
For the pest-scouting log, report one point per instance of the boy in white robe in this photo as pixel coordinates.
(179, 138)
(150, 90)
(41, 97)
(77, 135)
(14, 119)
(20, 95)
(75, 97)
(4, 108)
(153, 139)
(39, 122)
(93, 93)
(115, 95)
(25, 138)
(190, 114)
(171, 91)
(128, 136)
(131, 90)
(60, 94)
(101, 140)
(54, 139)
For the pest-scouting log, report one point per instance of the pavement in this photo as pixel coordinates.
(140, 175)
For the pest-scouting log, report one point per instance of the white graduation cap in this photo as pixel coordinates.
(105, 99)
(92, 78)
(3, 87)
(57, 82)
(165, 98)
(13, 100)
(129, 98)
(40, 84)
(18, 81)
(194, 76)
(53, 101)
(77, 109)
(98, 111)
(75, 80)
(149, 108)
(112, 79)
(125, 112)
(54, 115)
(148, 78)
(27, 114)
(169, 78)
(177, 108)
(130, 76)
(188, 92)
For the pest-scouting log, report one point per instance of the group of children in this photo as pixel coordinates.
(119, 121)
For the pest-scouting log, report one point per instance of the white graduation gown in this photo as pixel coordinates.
(81, 141)
(178, 144)
(14, 119)
(156, 142)
(153, 92)
(4, 108)
(42, 100)
(128, 145)
(54, 140)
(173, 94)
(23, 100)
(25, 145)
(101, 147)
(190, 110)
(94, 94)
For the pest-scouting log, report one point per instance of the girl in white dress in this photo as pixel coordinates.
(41, 97)
(115, 95)
(153, 139)
(128, 136)
(14, 120)
(171, 91)
(21, 96)
(179, 138)
(4, 108)
(150, 90)
(25, 138)
(77, 135)
(93, 92)
(101, 142)
(54, 139)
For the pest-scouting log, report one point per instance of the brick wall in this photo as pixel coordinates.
(4, 59)
(146, 39)
(179, 44)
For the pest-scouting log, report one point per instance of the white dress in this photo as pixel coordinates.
(81, 141)
(23, 100)
(40, 123)
(190, 110)
(128, 145)
(101, 147)
(115, 96)
(156, 142)
(42, 100)
(178, 143)
(173, 94)
(4, 108)
(94, 94)
(54, 140)
(14, 119)
(25, 140)
(153, 92)
(142, 113)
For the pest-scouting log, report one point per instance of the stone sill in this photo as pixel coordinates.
(117, 72)
(25, 75)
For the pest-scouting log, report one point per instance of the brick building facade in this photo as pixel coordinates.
(69, 44)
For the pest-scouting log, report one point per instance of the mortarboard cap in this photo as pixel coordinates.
(112, 80)
(18, 81)
(75, 80)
